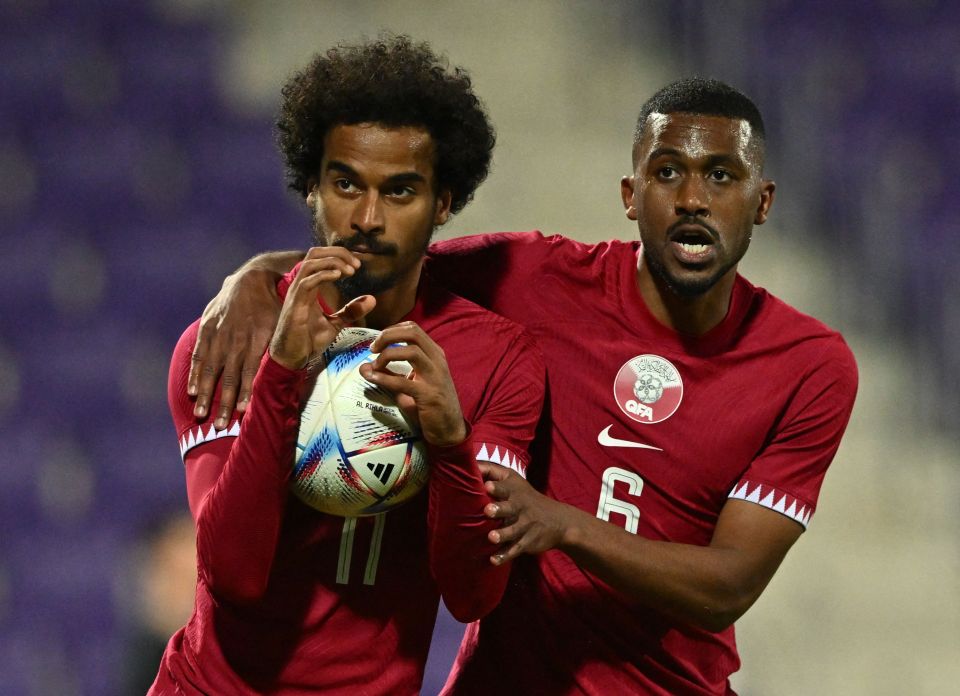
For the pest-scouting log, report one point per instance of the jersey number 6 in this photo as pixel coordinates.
(609, 504)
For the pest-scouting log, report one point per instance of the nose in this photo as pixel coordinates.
(368, 214)
(693, 200)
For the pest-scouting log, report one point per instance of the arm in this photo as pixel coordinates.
(238, 491)
(238, 488)
(234, 330)
(457, 526)
(708, 586)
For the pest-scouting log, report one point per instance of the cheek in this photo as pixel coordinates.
(332, 211)
(654, 204)
(657, 197)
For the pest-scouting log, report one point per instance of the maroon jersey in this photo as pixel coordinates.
(293, 601)
(650, 430)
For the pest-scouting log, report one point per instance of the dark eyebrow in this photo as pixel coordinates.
(728, 160)
(406, 178)
(399, 178)
(662, 151)
(338, 166)
(712, 160)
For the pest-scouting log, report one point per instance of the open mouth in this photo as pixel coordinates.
(692, 244)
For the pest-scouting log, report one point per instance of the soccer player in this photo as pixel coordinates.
(384, 143)
(692, 418)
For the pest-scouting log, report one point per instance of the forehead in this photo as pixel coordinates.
(387, 149)
(696, 136)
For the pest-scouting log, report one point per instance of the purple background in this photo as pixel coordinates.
(121, 169)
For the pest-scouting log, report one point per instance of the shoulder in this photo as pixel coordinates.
(181, 405)
(183, 352)
(800, 336)
(528, 245)
(515, 273)
(455, 319)
(190, 429)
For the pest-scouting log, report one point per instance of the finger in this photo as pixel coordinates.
(411, 354)
(246, 382)
(508, 533)
(406, 332)
(356, 309)
(500, 509)
(398, 384)
(508, 554)
(329, 325)
(306, 291)
(229, 382)
(198, 358)
(493, 472)
(304, 288)
(497, 491)
(333, 251)
(256, 347)
(326, 263)
(208, 380)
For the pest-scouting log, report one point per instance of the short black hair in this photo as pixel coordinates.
(395, 82)
(708, 97)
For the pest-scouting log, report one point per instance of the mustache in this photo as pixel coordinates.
(372, 243)
(693, 220)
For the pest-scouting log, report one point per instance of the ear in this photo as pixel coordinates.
(311, 191)
(767, 188)
(627, 184)
(442, 212)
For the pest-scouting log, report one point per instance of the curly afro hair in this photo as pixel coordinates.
(395, 82)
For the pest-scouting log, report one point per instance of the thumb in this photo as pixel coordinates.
(355, 309)
(492, 472)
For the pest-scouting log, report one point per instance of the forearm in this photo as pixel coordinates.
(703, 585)
(278, 262)
(239, 521)
(458, 528)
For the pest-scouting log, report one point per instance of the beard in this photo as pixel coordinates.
(363, 281)
(689, 287)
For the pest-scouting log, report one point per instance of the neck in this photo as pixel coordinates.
(395, 303)
(694, 315)
(392, 306)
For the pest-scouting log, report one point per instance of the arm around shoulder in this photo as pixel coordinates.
(234, 330)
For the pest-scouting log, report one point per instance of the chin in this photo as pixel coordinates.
(691, 285)
(365, 284)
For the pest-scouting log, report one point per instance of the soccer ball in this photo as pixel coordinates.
(356, 454)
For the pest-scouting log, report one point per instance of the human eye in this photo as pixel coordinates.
(401, 191)
(666, 173)
(345, 185)
(721, 176)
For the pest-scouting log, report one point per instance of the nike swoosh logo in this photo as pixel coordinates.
(608, 440)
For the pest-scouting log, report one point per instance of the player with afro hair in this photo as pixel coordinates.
(395, 82)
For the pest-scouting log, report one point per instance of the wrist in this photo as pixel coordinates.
(456, 436)
(572, 532)
(451, 443)
(276, 354)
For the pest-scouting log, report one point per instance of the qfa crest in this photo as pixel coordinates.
(648, 389)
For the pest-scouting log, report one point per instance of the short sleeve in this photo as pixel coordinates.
(787, 473)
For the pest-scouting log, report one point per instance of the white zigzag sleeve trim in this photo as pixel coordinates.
(770, 497)
(197, 436)
(502, 456)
